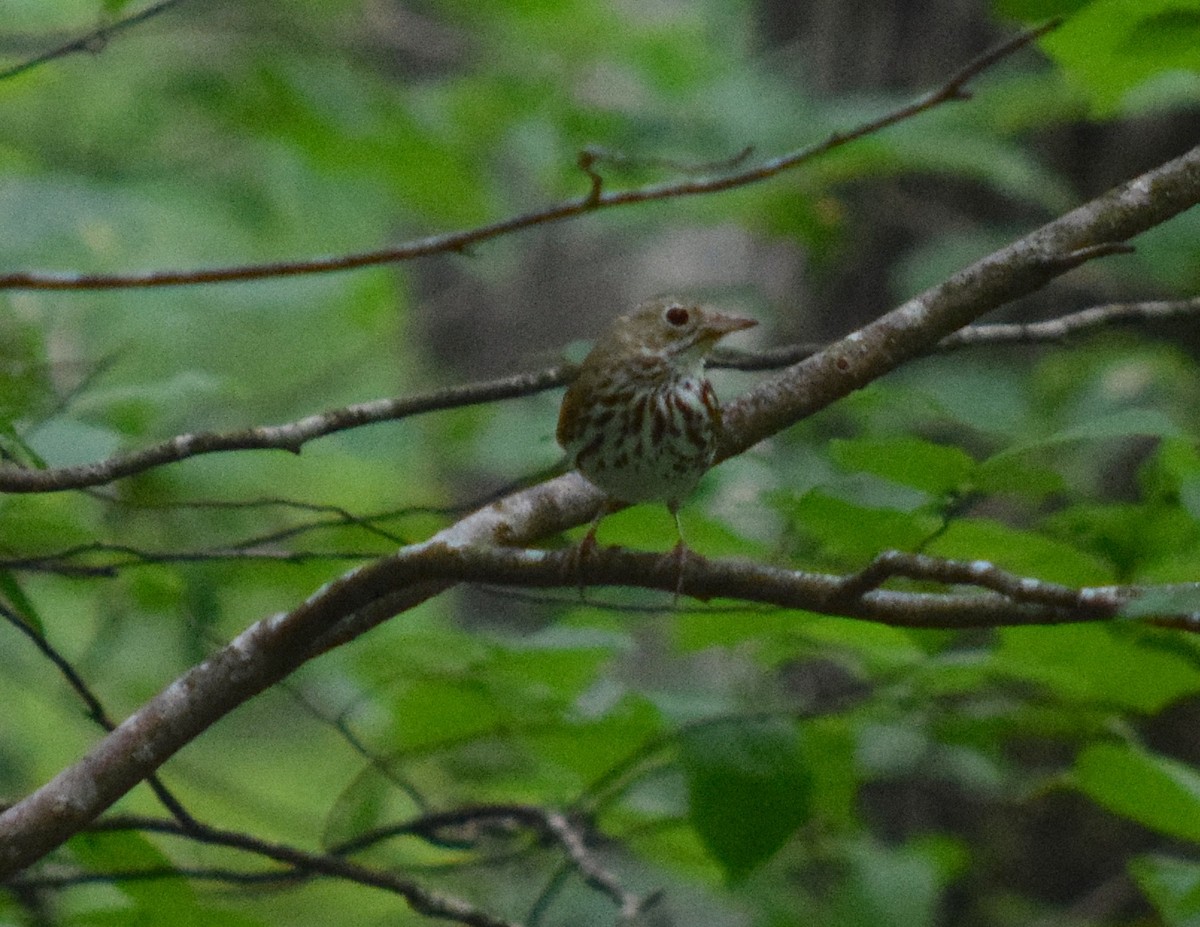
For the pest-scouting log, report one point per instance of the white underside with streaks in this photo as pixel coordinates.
(621, 462)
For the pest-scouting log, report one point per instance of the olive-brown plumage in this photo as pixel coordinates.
(640, 421)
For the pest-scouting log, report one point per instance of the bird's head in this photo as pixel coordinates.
(680, 332)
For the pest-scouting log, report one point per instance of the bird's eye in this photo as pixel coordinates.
(677, 316)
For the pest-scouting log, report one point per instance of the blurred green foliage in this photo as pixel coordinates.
(761, 766)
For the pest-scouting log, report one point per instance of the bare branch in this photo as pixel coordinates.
(124, 556)
(95, 708)
(596, 875)
(997, 333)
(304, 863)
(594, 199)
(594, 155)
(290, 436)
(61, 880)
(921, 323)
(549, 825)
(269, 650)
(1006, 599)
(1067, 326)
(459, 826)
(956, 85)
(92, 42)
(981, 573)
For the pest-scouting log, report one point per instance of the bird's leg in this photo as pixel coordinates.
(579, 554)
(679, 554)
(587, 546)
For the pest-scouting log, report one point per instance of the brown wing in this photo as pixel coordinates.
(569, 416)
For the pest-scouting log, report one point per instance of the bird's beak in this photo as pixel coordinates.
(718, 325)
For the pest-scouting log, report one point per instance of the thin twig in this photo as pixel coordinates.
(480, 819)
(93, 42)
(1076, 323)
(573, 841)
(595, 155)
(61, 880)
(978, 573)
(290, 436)
(59, 563)
(304, 863)
(341, 728)
(594, 199)
(95, 709)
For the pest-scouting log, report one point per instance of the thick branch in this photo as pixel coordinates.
(272, 648)
(269, 650)
(1094, 229)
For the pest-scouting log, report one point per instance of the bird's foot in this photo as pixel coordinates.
(577, 558)
(678, 556)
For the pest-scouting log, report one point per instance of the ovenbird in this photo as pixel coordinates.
(641, 422)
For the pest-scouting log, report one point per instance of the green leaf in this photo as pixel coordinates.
(44, 524)
(890, 750)
(985, 396)
(1017, 475)
(1111, 46)
(952, 142)
(11, 590)
(434, 712)
(66, 443)
(1126, 423)
(1134, 537)
(699, 628)
(580, 751)
(158, 900)
(1168, 253)
(1157, 792)
(1027, 553)
(358, 807)
(749, 788)
(937, 469)
(853, 531)
(1173, 887)
(880, 647)
(829, 745)
(899, 886)
(24, 370)
(14, 448)
(1102, 664)
(935, 259)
